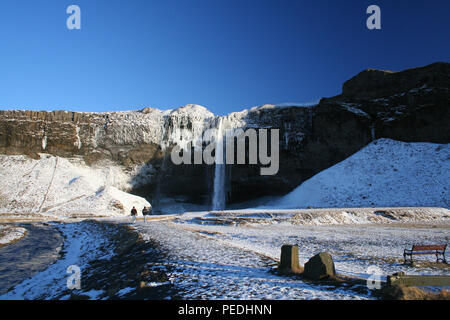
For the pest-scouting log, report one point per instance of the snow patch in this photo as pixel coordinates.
(11, 234)
(78, 140)
(351, 107)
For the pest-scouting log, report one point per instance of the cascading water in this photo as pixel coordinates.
(164, 143)
(372, 130)
(219, 199)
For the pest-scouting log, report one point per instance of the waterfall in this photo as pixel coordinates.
(372, 130)
(219, 172)
(164, 143)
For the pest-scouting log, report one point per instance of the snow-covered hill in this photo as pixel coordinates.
(60, 186)
(384, 173)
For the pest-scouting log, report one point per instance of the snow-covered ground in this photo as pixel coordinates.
(384, 173)
(10, 234)
(55, 186)
(355, 241)
(328, 216)
(81, 245)
(232, 254)
(204, 266)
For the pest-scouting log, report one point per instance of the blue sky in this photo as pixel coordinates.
(225, 55)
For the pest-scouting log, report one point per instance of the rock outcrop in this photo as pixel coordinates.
(412, 105)
(319, 267)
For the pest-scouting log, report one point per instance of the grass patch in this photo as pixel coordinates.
(413, 293)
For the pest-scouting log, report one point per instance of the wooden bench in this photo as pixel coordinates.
(436, 249)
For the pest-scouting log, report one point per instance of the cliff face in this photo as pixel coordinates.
(411, 105)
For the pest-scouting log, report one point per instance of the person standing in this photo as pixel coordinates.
(149, 210)
(145, 213)
(133, 214)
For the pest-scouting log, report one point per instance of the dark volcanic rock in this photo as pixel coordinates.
(411, 106)
(319, 267)
(372, 84)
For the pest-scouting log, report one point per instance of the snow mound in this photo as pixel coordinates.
(386, 173)
(60, 186)
(193, 110)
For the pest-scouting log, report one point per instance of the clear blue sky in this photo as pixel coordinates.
(225, 55)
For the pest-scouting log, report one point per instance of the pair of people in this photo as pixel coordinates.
(145, 212)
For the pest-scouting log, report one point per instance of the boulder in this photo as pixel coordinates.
(289, 259)
(321, 266)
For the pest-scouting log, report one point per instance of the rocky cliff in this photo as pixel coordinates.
(411, 105)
